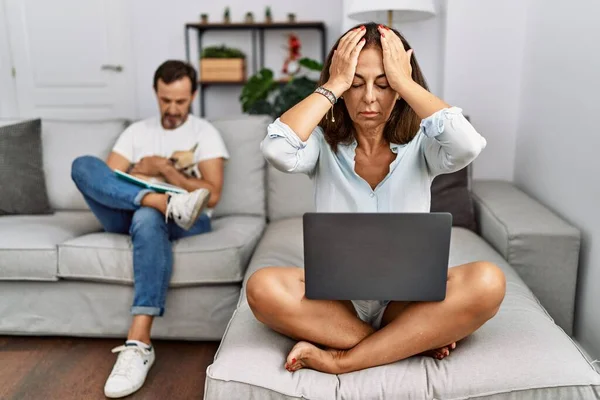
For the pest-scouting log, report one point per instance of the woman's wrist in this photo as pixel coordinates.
(401, 86)
(336, 88)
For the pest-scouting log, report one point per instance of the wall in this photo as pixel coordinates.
(158, 34)
(482, 74)
(559, 135)
(458, 50)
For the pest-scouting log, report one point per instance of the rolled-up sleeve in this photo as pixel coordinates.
(451, 142)
(283, 149)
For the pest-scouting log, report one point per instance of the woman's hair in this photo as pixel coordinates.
(403, 123)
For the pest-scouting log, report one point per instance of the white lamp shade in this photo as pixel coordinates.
(402, 10)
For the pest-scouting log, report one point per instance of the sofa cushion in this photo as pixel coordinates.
(63, 141)
(520, 353)
(451, 193)
(21, 172)
(220, 256)
(28, 243)
(288, 195)
(244, 180)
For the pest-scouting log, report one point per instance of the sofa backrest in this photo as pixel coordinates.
(288, 195)
(244, 185)
(243, 190)
(63, 142)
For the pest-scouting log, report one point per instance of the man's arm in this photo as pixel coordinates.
(116, 161)
(212, 178)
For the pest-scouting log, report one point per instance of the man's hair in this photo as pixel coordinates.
(174, 70)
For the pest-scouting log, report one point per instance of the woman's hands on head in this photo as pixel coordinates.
(396, 60)
(343, 63)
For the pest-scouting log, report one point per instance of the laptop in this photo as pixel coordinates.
(376, 256)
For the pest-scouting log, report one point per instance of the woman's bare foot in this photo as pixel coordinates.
(440, 353)
(307, 355)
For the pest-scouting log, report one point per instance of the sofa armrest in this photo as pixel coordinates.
(539, 245)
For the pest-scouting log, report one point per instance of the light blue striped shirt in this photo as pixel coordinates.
(446, 142)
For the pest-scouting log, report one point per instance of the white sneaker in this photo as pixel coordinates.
(130, 370)
(185, 208)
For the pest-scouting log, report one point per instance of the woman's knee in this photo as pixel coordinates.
(487, 284)
(266, 291)
(260, 287)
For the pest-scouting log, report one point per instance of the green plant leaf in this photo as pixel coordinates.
(221, 52)
(291, 94)
(255, 94)
(311, 64)
(260, 107)
(257, 88)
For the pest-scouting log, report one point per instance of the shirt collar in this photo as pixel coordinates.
(352, 146)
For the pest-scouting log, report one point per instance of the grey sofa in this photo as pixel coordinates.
(60, 275)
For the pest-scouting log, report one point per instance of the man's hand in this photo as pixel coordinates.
(150, 166)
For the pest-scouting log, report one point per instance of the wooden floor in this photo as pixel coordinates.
(34, 368)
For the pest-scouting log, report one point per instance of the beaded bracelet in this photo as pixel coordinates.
(330, 96)
(327, 93)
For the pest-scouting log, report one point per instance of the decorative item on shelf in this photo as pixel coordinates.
(264, 95)
(222, 64)
(291, 65)
(268, 15)
(227, 16)
(291, 18)
(249, 18)
(204, 18)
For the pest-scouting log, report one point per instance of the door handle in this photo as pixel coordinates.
(108, 67)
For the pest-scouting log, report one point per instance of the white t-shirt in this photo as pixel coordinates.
(149, 138)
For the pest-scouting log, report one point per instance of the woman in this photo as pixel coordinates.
(372, 138)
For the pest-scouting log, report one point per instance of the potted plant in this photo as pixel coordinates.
(249, 18)
(264, 95)
(204, 18)
(291, 18)
(227, 16)
(268, 15)
(222, 64)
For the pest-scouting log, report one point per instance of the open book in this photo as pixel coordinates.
(157, 186)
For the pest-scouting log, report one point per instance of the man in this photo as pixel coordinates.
(154, 219)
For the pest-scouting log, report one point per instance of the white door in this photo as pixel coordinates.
(8, 96)
(72, 58)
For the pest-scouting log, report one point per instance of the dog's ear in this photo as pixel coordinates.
(193, 149)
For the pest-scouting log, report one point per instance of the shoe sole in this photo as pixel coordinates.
(196, 212)
(124, 393)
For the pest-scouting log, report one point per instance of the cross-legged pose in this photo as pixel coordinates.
(372, 138)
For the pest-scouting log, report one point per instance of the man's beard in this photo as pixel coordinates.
(170, 121)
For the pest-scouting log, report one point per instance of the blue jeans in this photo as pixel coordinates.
(116, 204)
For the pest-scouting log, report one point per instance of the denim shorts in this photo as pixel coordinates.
(371, 311)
